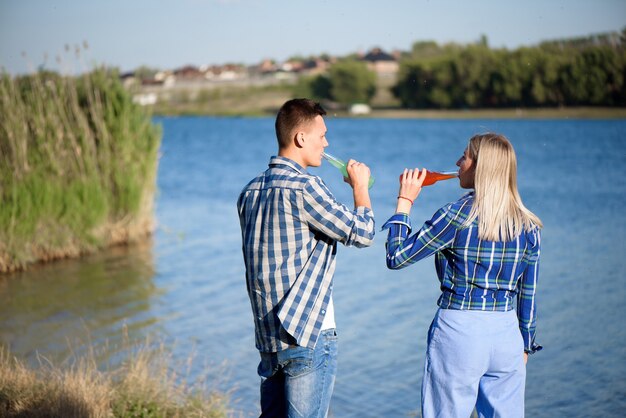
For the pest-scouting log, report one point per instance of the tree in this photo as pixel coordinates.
(316, 88)
(352, 82)
(425, 49)
(413, 85)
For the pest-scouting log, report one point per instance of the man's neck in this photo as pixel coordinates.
(293, 155)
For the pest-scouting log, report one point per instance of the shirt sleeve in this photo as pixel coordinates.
(335, 220)
(526, 301)
(404, 249)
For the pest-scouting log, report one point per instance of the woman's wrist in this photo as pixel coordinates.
(404, 205)
(405, 198)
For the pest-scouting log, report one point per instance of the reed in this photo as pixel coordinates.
(144, 385)
(78, 164)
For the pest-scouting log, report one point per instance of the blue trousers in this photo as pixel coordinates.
(298, 382)
(474, 359)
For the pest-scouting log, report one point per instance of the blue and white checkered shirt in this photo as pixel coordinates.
(474, 274)
(290, 225)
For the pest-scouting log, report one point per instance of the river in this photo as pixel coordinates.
(186, 287)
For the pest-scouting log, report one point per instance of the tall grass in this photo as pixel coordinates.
(78, 164)
(143, 386)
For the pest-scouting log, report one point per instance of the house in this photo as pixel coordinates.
(316, 66)
(165, 77)
(227, 72)
(188, 72)
(381, 62)
(267, 66)
(128, 79)
(293, 66)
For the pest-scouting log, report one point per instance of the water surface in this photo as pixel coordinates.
(186, 286)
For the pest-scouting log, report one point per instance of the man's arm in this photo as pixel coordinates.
(325, 214)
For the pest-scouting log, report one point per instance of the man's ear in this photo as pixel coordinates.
(299, 139)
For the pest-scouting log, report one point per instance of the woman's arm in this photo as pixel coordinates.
(436, 234)
(526, 298)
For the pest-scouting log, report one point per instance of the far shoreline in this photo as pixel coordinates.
(597, 113)
(518, 113)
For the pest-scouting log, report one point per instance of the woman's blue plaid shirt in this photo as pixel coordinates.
(474, 274)
(290, 226)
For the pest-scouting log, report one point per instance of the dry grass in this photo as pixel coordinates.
(145, 385)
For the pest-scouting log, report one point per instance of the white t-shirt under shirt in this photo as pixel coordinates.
(329, 318)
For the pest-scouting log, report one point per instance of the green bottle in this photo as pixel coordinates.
(341, 165)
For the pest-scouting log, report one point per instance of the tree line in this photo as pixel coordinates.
(588, 71)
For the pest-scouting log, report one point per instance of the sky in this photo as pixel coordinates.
(167, 34)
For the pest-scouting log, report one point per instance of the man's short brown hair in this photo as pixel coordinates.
(291, 115)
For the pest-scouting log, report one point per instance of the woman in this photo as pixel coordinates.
(486, 248)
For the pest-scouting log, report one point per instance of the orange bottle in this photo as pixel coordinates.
(434, 176)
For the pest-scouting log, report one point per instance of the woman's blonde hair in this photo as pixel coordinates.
(497, 204)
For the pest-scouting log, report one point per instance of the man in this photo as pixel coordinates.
(290, 225)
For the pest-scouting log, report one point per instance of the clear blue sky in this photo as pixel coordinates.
(168, 34)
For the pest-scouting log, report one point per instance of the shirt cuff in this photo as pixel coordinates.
(365, 211)
(533, 349)
(398, 218)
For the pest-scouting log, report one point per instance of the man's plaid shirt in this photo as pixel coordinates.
(290, 226)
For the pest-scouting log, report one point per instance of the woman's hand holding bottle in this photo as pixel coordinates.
(410, 186)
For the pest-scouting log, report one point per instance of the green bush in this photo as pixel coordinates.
(78, 164)
(348, 82)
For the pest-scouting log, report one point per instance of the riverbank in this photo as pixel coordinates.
(143, 386)
(387, 113)
(78, 167)
(545, 113)
(255, 101)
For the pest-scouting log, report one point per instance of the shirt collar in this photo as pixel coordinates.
(278, 160)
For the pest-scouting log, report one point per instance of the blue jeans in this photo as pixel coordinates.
(298, 382)
(474, 359)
